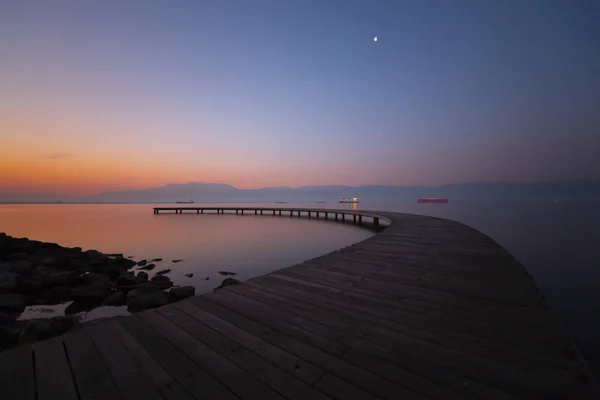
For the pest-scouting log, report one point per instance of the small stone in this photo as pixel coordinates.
(176, 261)
(12, 302)
(156, 259)
(180, 293)
(163, 271)
(189, 275)
(148, 267)
(115, 299)
(226, 273)
(142, 263)
(207, 278)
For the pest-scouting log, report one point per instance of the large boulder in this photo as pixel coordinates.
(162, 281)
(12, 303)
(127, 279)
(144, 298)
(115, 299)
(21, 267)
(45, 328)
(180, 293)
(90, 278)
(142, 277)
(54, 295)
(90, 294)
(8, 282)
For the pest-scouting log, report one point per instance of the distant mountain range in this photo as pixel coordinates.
(216, 192)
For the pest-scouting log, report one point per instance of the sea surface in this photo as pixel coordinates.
(559, 244)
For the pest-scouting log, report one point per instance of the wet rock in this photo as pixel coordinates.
(142, 263)
(156, 260)
(21, 267)
(180, 293)
(142, 277)
(163, 271)
(148, 267)
(128, 278)
(176, 261)
(12, 303)
(115, 299)
(91, 278)
(228, 281)
(8, 282)
(162, 281)
(54, 295)
(92, 294)
(189, 275)
(145, 298)
(226, 273)
(45, 328)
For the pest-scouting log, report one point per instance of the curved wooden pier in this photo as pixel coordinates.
(428, 309)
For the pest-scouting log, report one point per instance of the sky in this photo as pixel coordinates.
(110, 95)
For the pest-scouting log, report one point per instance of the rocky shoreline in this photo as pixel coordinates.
(40, 273)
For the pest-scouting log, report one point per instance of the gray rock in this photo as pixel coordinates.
(45, 328)
(91, 294)
(142, 263)
(20, 267)
(148, 267)
(8, 282)
(115, 299)
(163, 271)
(145, 298)
(12, 302)
(180, 293)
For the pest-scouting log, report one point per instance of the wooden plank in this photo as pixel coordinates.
(157, 375)
(237, 380)
(91, 377)
(128, 378)
(17, 379)
(303, 329)
(291, 364)
(53, 373)
(195, 380)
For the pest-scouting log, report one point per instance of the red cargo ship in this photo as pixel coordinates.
(432, 200)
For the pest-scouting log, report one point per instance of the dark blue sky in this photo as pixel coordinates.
(261, 93)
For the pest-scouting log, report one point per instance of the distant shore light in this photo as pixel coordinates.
(375, 38)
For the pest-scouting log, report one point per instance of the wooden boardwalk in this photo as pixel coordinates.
(428, 309)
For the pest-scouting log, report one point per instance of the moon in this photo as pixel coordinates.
(375, 38)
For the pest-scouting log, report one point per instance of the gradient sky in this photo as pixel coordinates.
(105, 95)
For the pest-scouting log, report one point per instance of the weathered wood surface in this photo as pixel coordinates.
(428, 309)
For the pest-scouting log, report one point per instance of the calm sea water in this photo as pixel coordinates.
(558, 244)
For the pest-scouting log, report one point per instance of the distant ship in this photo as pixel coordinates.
(349, 200)
(186, 202)
(281, 202)
(432, 200)
(321, 202)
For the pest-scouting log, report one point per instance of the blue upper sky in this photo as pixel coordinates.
(271, 92)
